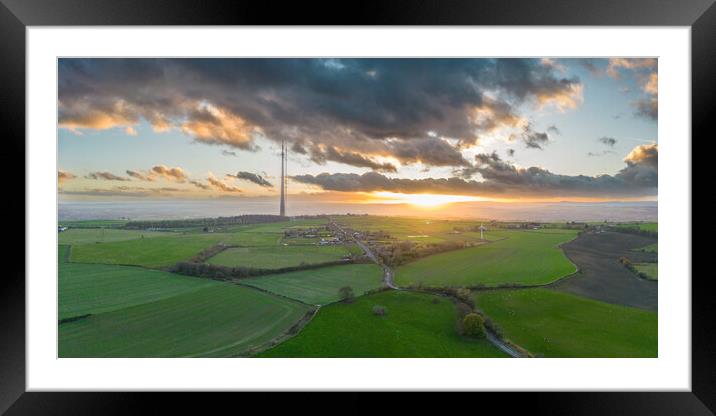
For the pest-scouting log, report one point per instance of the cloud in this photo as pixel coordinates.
(535, 140)
(354, 111)
(504, 179)
(228, 153)
(554, 130)
(608, 141)
(176, 174)
(510, 152)
(646, 75)
(602, 153)
(215, 125)
(124, 191)
(645, 154)
(200, 185)
(106, 176)
(648, 106)
(219, 185)
(139, 175)
(616, 64)
(252, 177)
(321, 154)
(63, 176)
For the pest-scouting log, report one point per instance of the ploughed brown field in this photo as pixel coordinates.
(601, 276)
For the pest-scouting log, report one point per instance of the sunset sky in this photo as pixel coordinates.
(424, 131)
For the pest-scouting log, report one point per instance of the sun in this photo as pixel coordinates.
(423, 200)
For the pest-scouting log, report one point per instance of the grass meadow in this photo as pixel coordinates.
(557, 324)
(96, 288)
(221, 320)
(414, 326)
(320, 286)
(650, 269)
(525, 257)
(76, 236)
(276, 257)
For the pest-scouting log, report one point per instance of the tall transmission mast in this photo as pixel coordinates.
(282, 209)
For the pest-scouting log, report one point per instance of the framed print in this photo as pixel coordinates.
(432, 197)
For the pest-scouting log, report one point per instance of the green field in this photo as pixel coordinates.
(644, 226)
(412, 229)
(95, 288)
(320, 286)
(650, 269)
(414, 326)
(276, 257)
(149, 252)
(103, 235)
(526, 257)
(217, 321)
(94, 223)
(558, 324)
(651, 248)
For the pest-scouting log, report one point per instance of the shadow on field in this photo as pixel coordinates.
(601, 276)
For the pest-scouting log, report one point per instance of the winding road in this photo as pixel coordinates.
(388, 279)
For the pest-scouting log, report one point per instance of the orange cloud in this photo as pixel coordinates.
(219, 185)
(629, 63)
(63, 176)
(652, 84)
(645, 154)
(176, 174)
(214, 125)
(566, 99)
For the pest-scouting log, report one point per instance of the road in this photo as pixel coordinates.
(387, 271)
(388, 279)
(502, 345)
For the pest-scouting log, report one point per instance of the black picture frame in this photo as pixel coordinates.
(16, 15)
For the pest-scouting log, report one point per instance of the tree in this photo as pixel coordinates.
(346, 294)
(473, 325)
(463, 293)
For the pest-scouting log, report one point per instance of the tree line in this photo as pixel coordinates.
(204, 222)
(219, 272)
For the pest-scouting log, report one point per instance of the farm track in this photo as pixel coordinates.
(388, 279)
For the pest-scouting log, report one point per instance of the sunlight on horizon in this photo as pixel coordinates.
(422, 200)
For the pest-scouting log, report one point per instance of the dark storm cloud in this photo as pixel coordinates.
(607, 141)
(252, 177)
(503, 179)
(321, 155)
(399, 108)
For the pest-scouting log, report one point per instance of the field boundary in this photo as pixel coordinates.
(226, 273)
(291, 332)
(268, 292)
(492, 335)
